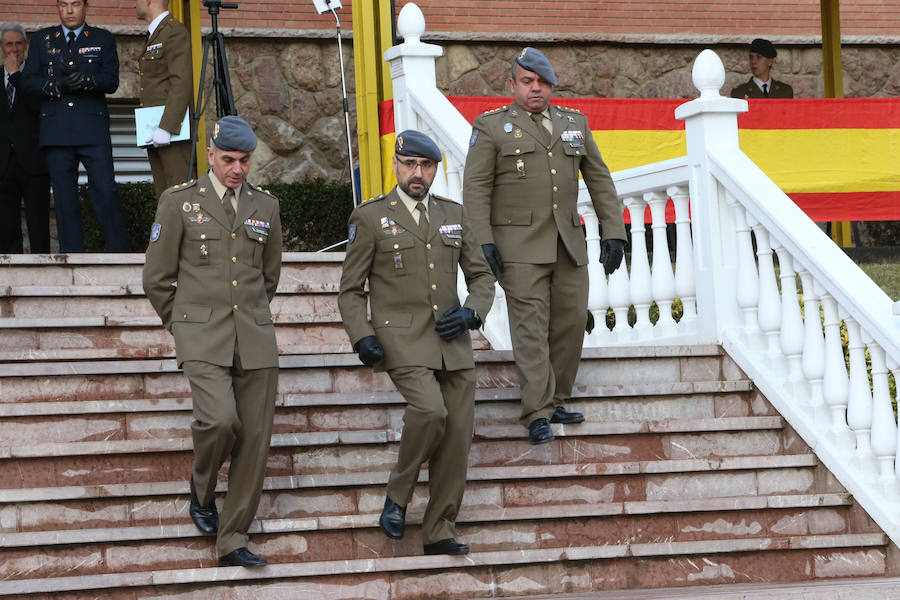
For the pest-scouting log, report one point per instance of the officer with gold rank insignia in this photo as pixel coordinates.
(409, 245)
(521, 191)
(211, 270)
(72, 67)
(762, 84)
(166, 80)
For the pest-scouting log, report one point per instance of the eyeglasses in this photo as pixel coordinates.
(411, 164)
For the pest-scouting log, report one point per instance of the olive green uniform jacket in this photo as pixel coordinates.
(226, 274)
(412, 281)
(751, 90)
(166, 73)
(522, 195)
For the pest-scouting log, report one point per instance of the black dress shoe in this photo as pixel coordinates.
(393, 519)
(242, 558)
(448, 546)
(206, 518)
(539, 431)
(561, 415)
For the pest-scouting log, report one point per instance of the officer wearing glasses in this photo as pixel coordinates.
(409, 245)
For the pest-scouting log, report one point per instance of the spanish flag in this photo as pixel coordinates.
(837, 159)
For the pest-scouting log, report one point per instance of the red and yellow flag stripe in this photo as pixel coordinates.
(837, 158)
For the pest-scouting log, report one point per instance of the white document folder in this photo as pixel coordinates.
(147, 119)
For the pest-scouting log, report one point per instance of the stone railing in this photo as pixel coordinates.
(744, 296)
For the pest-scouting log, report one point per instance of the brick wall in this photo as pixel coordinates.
(541, 19)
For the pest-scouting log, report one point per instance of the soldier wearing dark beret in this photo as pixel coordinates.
(521, 190)
(211, 270)
(409, 246)
(762, 84)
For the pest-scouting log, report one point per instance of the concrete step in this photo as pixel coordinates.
(480, 573)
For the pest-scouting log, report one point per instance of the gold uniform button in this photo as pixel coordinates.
(387, 322)
(578, 152)
(260, 238)
(431, 265)
(234, 283)
(71, 104)
(234, 259)
(396, 246)
(553, 171)
(235, 307)
(433, 286)
(185, 316)
(550, 154)
(234, 236)
(555, 189)
(555, 206)
(518, 151)
(509, 221)
(434, 307)
(456, 243)
(202, 236)
(428, 246)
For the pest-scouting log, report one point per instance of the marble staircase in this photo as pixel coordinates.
(683, 473)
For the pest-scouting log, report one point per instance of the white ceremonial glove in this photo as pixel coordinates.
(160, 138)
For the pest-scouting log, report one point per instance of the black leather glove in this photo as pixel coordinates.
(456, 320)
(589, 326)
(73, 81)
(370, 350)
(611, 253)
(492, 256)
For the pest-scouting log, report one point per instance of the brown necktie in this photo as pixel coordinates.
(229, 208)
(538, 119)
(423, 219)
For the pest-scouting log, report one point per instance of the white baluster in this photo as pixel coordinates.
(620, 300)
(769, 300)
(835, 379)
(895, 370)
(662, 279)
(454, 176)
(859, 399)
(685, 287)
(813, 360)
(884, 429)
(791, 323)
(598, 294)
(747, 285)
(641, 291)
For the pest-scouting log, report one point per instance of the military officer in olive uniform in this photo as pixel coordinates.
(762, 84)
(409, 245)
(521, 191)
(72, 67)
(166, 80)
(211, 270)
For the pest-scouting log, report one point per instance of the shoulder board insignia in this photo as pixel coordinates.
(570, 109)
(444, 198)
(495, 110)
(259, 189)
(375, 199)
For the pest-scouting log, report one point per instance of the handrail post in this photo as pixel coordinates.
(710, 127)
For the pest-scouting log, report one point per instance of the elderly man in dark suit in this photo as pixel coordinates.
(23, 168)
(73, 66)
(409, 246)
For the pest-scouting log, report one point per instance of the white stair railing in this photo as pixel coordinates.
(748, 301)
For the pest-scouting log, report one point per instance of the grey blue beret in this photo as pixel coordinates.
(764, 47)
(416, 143)
(532, 59)
(232, 133)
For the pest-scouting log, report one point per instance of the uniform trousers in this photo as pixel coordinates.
(437, 427)
(233, 412)
(62, 162)
(547, 309)
(169, 165)
(16, 185)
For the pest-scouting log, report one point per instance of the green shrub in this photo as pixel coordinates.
(314, 214)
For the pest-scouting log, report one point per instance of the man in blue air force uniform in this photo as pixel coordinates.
(73, 66)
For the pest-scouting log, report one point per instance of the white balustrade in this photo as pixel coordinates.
(730, 295)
